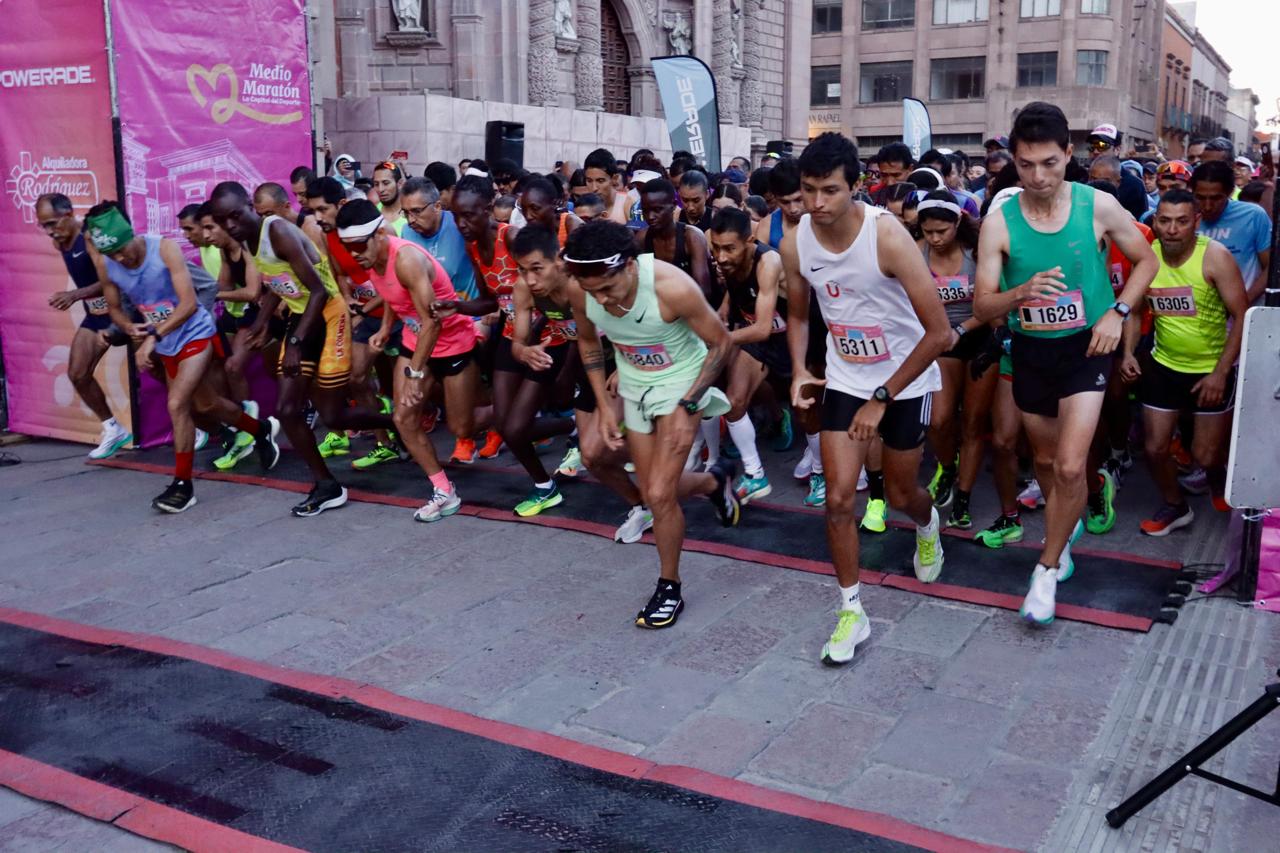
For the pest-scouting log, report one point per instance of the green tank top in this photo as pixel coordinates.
(1190, 318)
(1089, 294)
(650, 351)
(277, 274)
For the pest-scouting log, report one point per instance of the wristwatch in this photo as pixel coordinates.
(294, 340)
(882, 395)
(154, 332)
(410, 373)
(690, 406)
(1122, 309)
(958, 328)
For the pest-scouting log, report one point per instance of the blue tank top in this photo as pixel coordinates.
(775, 229)
(150, 289)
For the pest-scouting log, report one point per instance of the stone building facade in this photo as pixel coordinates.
(585, 56)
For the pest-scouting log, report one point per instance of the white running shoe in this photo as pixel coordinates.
(1038, 606)
(441, 505)
(862, 480)
(928, 557)
(250, 408)
(202, 439)
(1031, 497)
(853, 628)
(804, 467)
(111, 440)
(693, 462)
(639, 519)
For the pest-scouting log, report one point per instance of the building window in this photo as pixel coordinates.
(960, 79)
(883, 14)
(1041, 8)
(1095, 7)
(884, 82)
(959, 11)
(824, 85)
(828, 16)
(1091, 68)
(957, 140)
(1038, 69)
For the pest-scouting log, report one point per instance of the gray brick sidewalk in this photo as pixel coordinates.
(954, 717)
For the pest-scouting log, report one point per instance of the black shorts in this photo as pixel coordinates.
(96, 322)
(504, 360)
(1168, 390)
(1046, 370)
(971, 343)
(903, 426)
(449, 365)
(366, 327)
(772, 353)
(816, 353)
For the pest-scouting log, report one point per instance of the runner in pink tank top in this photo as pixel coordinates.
(456, 335)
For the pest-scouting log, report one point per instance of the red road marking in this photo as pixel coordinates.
(167, 824)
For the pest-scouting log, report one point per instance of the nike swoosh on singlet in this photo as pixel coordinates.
(816, 269)
(641, 317)
(76, 254)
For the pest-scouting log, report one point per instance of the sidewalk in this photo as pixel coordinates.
(954, 717)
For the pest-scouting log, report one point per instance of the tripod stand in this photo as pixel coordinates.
(1190, 764)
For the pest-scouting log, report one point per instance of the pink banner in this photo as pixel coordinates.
(55, 136)
(206, 96)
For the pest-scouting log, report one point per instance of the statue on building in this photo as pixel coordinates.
(679, 33)
(408, 15)
(564, 20)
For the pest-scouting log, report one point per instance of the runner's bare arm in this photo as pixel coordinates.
(181, 278)
(1221, 270)
(252, 281)
(1259, 283)
(680, 298)
(989, 302)
(769, 277)
(110, 292)
(594, 363)
(521, 348)
(699, 260)
(417, 276)
(798, 297)
(288, 245)
(1132, 243)
(900, 258)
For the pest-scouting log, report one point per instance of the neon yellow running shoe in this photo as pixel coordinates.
(874, 518)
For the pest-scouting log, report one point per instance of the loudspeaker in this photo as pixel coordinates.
(779, 146)
(504, 139)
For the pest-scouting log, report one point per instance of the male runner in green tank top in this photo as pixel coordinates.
(671, 347)
(1041, 262)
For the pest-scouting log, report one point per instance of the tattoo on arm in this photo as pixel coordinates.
(594, 361)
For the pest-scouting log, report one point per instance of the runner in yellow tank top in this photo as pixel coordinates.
(1197, 289)
(316, 362)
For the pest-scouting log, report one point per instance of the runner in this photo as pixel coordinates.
(538, 202)
(949, 244)
(673, 242)
(885, 329)
(589, 207)
(431, 226)
(271, 199)
(1198, 300)
(325, 197)
(433, 350)
(752, 275)
(672, 346)
(693, 200)
(151, 271)
(1245, 229)
(598, 172)
(316, 362)
(784, 186)
(1040, 261)
(95, 334)
(387, 180)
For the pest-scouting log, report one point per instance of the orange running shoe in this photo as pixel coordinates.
(464, 451)
(1220, 503)
(492, 444)
(1180, 455)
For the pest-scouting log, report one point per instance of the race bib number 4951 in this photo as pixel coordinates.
(1053, 315)
(647, 358)
(860, 344)
(283, 285)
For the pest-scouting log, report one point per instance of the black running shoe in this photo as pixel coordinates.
(663, 608)
(179, 497)
(265, 444)
(724, 498)
(329, 494)
(945, 488)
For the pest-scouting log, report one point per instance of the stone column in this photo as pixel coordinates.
(722, 64)
(468, 49)
(752, 110)
(542, 53)
(590, 69)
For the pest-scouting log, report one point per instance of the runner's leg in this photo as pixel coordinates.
(87, 349)
(1061, 447)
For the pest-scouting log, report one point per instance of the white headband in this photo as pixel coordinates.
(475, 173)
(949, 206)
(360, 232)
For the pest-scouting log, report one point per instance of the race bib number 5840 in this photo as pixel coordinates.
(647, 358)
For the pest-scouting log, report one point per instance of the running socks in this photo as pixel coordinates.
(710, 429)
(440, 480)
(814, 443)
(743, 433)
(875, 484)
(184, 461)
(248, 424)
(851, 597)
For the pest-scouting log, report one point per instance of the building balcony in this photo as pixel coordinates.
(1176, 118)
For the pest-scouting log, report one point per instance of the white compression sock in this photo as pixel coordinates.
(710, 428)
(851, 597)
(743, 433)
(815, 450)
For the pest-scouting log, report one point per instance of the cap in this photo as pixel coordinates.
(643, 176)
(1179, 169)
(1107, 132)
(998, 141)
(1245, 161)
(1148, 168)
(735, 176)
(772, 155)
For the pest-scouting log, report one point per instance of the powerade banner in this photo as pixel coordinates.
(206, 98)
(55, 136)
(916, 130)
(688, 91)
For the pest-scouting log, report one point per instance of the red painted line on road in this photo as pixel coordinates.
(98, 800)
(969, 595)
(128, 811)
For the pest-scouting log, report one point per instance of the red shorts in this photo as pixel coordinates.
(171, 362)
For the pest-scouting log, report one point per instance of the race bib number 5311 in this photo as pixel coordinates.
(860, 344)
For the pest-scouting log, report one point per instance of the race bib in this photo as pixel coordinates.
(363, 292)
(1117, 277)
(1173, 301)
(954, 288)
(283, 285)
(568, 328)
(157, 313)
(1053, 315)
(506, 303)
(97, 305)
(413, 324)
(778, 325)
(648, 358)
(860, 344)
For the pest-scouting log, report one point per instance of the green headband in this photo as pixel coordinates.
(110, 231)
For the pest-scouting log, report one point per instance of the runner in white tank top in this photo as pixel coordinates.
(885, 330)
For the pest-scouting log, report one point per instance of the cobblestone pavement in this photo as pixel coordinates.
(954, 717)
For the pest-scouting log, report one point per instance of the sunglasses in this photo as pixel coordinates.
(1100, 145)
(356, 247)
